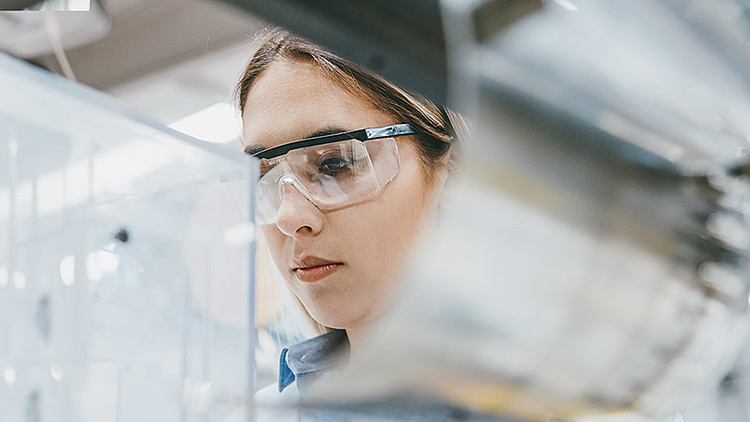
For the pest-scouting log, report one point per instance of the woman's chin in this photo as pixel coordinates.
(335, 319)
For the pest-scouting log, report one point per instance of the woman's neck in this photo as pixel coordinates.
(355, 340)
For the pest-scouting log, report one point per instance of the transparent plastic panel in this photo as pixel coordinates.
(126, 258)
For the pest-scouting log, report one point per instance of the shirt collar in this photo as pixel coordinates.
(308, 360)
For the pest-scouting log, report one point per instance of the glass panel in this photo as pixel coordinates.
(125, 262)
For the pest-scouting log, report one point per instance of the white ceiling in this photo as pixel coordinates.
(148, 36)
(165, 58)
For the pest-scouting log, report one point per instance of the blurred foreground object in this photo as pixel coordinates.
(125, 262)
(592, 257)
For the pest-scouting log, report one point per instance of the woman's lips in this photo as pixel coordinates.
(311, 268)
(317, 273)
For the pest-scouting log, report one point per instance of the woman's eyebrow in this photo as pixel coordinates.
(254, 149)
(326, 131)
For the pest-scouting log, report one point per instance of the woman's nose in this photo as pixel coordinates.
(297, 215)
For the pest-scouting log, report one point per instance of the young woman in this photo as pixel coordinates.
(351, 168)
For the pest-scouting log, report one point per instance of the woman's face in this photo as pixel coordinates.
(368, 241)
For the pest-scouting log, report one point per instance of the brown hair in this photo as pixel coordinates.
(431, 123)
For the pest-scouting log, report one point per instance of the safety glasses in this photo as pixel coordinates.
(331, 171)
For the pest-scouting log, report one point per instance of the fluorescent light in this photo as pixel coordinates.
(215, 123)
(9, 375)
(68, 270)
(56, 371)
(19, 279)
(567, 5)
(101, 262)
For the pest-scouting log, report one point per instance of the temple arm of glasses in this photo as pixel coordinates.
(388, 131)
(360, 134)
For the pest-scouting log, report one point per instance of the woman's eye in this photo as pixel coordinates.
(334, 166)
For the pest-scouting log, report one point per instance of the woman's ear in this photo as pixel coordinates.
(447, 167)
(441, 179)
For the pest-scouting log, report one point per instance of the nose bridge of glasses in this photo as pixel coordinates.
(289, 182)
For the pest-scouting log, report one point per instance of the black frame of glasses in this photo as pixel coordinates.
(359, 134)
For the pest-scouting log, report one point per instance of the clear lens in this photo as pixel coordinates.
(268, 199)
(384, 158)
(330, 175)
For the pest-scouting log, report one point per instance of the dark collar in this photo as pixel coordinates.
(308, 360)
